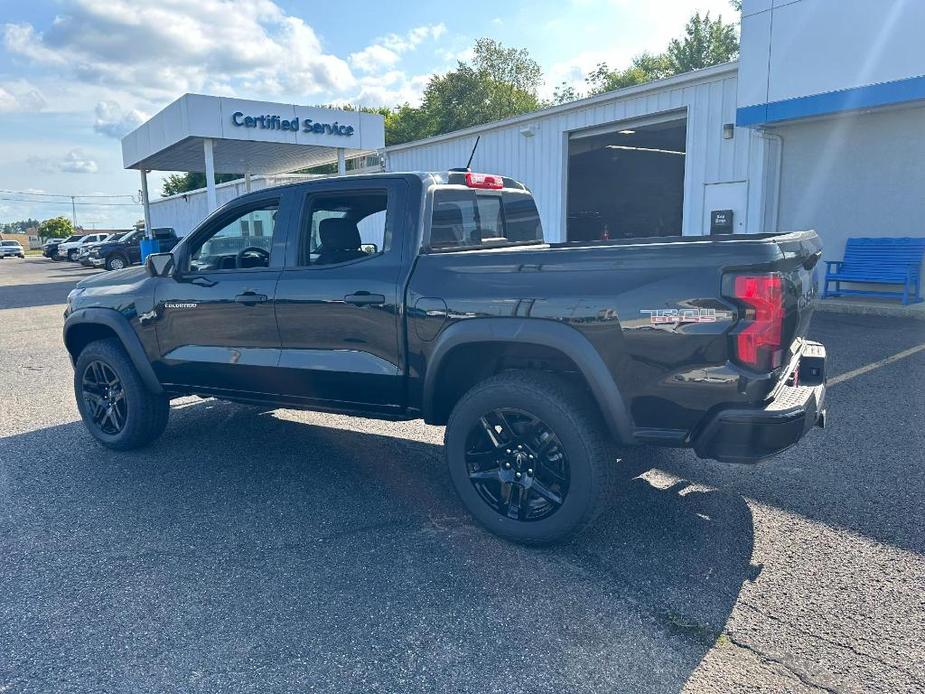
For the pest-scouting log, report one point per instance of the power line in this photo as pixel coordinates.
(68, 195)
(65, 202)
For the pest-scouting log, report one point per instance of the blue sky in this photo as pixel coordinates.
(75, 75)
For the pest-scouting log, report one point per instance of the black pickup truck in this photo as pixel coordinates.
(119, 253)
(434, 296)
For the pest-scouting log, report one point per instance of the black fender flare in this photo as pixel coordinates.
(546, 333)
(119, 324)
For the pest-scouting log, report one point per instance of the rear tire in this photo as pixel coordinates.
(115, 405)
(570, 460)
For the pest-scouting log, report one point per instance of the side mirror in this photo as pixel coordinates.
(159, 264)
(369, 248)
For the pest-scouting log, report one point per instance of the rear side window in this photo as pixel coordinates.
(342, 227)
(470, 219)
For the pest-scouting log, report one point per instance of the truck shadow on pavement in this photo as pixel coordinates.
(243, 550)
(29, 295)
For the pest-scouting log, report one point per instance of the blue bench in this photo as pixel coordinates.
(878, 261)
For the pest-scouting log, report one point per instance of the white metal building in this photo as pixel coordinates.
(535, 148)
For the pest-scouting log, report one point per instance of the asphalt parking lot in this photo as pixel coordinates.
(256, 551)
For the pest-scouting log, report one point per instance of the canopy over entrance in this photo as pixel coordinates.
(214, 134)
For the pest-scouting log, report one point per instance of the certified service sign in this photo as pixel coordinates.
(307, 125)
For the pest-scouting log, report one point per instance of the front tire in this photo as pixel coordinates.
(72, 256)
(115, 405)
(529, 457)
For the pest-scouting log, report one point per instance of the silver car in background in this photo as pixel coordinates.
(11, 249)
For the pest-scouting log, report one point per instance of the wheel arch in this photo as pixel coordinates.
(89, 324)
(544, 339)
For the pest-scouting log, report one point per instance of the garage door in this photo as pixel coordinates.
(626, 181)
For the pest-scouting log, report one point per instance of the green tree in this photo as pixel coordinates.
(510, 75)
(498, 83)
(175, 184)
(56, 227)
(20, 226)
(705, 42)
(564, 93)
(404, 124)
(644, 68)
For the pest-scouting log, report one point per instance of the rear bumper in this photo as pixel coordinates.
(749, 435)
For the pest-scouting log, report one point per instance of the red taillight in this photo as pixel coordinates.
(758, 343)
(479, 180)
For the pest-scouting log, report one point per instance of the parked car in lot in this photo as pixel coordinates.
(69, 249)
(50, 247)
(434, 296)
(11, 249)
(83, 253)
(116, 254)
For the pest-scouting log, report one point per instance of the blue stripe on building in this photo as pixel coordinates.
(883, 94)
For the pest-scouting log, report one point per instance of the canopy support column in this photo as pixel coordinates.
(247, 182)
(146, 204)
(211, 200)
(341, 161)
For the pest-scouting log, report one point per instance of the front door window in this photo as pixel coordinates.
(242, 243)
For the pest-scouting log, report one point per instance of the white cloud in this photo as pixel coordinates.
(75, 161)
(373, 58)
(113, 121)
(402, 43)
(20, 97)
(386, 51)
(156, 51)
(390, 89)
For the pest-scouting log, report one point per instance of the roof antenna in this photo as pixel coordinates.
(474, 147)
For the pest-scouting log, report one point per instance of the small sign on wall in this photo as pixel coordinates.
(725, 208)
(721, 222)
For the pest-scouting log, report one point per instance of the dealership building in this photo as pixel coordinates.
(820, 124)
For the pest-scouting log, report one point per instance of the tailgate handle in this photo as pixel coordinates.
(250, 298)
(365, 299)
(811, 261)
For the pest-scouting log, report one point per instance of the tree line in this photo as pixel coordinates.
(500, 82)
(55, 227)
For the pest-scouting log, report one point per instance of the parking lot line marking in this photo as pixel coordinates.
(875, 365)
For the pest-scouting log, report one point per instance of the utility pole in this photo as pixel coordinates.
(73, 213)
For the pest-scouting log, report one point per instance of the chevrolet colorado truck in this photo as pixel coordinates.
(434, 296)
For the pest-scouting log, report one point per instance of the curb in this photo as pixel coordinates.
(913, 311)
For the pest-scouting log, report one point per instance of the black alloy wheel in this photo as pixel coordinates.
(517, 465)
(104, 396)
(529, 456)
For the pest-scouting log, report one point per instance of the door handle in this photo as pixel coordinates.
(202, 282)
(365, 299)
(250, 298)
